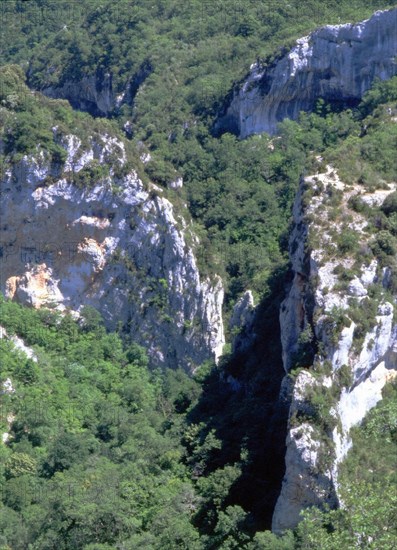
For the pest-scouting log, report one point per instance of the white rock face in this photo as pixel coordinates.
(316, 300)
(7, 386)
(176, 184)
(20, 345)
(243, 310)
(336, 63)
(304, 489)
(116, 246)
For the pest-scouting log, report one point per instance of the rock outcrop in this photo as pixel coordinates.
(89, 94)
(112, 243)
(19, 345)
(95, 93)
(338, 336)
(337, 63)
(241, 322)
(6, 386)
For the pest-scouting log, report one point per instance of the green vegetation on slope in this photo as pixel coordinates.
(94, 454)
(177, 61)
(31, 123)
(239, 192)
(206, 466)
(104, 453)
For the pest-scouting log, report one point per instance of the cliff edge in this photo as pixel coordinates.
(336, 63)
(338, 332)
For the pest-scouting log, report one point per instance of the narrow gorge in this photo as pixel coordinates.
(198, 276)
(343, 358)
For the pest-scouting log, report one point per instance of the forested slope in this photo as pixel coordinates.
(100, 451)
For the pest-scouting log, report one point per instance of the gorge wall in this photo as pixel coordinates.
(95, 93)
(338, 334)
(337, 63)
(117, 245)
(338, 331)
(121, 246)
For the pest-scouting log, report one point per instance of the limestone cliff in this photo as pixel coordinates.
(110, 242)
(339, 338)
(92, 94)
(337, 63)
(241, 322)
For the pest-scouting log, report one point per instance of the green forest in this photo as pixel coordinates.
(105, 452)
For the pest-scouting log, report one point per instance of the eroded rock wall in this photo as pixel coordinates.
(343, 358)
(337, 63)
(116, 245)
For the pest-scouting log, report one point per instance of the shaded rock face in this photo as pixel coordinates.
(117, 246)
(241, 322)
(89, 94)
(95, 94)
(337, 63)
(330, 355)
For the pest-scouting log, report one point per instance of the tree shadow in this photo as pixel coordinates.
(241, 403)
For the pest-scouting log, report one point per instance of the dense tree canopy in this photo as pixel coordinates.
(103, 452)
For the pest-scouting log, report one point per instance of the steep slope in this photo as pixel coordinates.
(118, 244)
(85, 446)
(338, 334)
(336, 63)
(95, 93)
(17, 346)
(79, 227)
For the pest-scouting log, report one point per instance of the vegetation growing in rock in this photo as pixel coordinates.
(102, 450)
(185, 58)
(368, 480)
(191, 462)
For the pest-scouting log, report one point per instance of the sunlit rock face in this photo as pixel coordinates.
(337, 63)
(115, 244)
(330, 355)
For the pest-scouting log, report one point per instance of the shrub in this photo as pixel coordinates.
(347, 241)
(389, 205)
(357, 204)
(384, 245)
(19, 464)
(304, 355)
(345, 377)
(334, 323)
(364, 315)
(91, 174)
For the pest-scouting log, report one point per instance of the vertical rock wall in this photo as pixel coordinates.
(114, 244)
(337, 63)
(340, 376)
